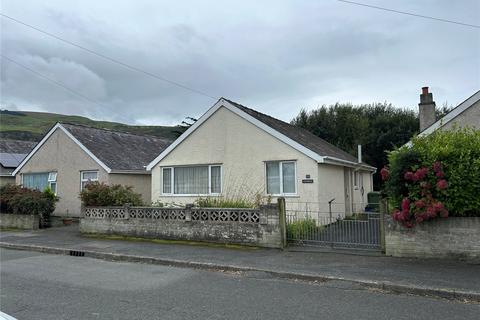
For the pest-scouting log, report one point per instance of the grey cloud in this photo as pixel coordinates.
(276, 56)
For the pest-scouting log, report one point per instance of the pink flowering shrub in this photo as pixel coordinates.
(435, 176)
(424, 200)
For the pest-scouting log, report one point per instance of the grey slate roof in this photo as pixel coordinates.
(16, 146)
(12, 152)
(119, 150)
(11, 160)
(299, 135)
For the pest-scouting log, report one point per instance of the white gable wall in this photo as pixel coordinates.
(242, 148)
(468, 118)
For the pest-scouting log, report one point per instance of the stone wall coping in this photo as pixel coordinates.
(180, 208)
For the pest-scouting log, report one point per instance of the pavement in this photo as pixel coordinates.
(437, 278)
(36, 285)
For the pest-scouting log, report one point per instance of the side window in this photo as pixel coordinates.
(167, 180)
(87, 177)
(52, 181)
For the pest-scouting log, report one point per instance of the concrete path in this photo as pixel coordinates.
(449, 279)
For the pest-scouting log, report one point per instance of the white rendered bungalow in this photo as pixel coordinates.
(234, 151)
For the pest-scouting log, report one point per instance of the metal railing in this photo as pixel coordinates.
(336, 229)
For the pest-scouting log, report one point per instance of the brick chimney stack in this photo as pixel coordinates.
(426, 109)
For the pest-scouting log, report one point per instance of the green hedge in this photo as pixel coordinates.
(441, 170)
(101, 194)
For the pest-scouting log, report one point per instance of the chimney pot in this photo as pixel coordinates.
(426, 109)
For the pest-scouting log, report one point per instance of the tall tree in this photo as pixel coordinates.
(378, 127)
(182, 127)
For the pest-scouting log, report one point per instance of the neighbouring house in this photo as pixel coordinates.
(233, 151)
(69, 156)
(12, 152)
(466, 114)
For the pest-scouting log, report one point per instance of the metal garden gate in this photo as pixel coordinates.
(358, 231)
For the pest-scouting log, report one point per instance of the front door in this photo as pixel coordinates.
(348, 190)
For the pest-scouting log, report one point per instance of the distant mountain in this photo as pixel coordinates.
(31, 126)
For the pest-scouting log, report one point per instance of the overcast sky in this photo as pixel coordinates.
(274, 56)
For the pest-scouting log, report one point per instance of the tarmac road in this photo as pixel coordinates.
(44, 286)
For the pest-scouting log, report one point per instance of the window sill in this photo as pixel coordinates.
(283, 195)
(190, 195)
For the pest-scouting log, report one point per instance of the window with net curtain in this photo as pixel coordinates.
(40, 181)
(192, 180)
(281, 177)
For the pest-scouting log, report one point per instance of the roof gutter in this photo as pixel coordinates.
(6, 175)
(351, 164)
(131, 172)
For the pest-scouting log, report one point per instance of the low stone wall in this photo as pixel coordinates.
(19, 221)
(451, 238)
(256, 227)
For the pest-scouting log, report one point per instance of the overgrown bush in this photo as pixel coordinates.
(232, 201)
(18, 200)
(436, 176)
(302, 229)
(6, 193)
(101, 194)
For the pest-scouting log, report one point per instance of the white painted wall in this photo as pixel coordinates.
(470, 117)
(242, 148)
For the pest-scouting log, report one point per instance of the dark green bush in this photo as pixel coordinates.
(18, 200)
(6, 193)
(101, 194)
(458, 153)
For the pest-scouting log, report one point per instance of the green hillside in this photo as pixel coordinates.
(27, 125)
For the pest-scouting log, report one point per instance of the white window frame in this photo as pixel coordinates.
(172, 181)
(86, 180)
(356, 178)
(280, 168)
(52, 181)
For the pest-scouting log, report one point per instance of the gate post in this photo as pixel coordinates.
(383, 211)
(126, 210)
(282, 221)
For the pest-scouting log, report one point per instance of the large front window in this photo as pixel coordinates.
(281, 177)
(193, 180)
(38, 181)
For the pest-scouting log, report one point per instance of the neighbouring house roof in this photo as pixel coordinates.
(298, 138)
(452, 114)
(11, 160)
(113, 150)
(16, 146)
(12, 152)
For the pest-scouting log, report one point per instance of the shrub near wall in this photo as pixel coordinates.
(101, 194)
(23, 201)
(437, 176)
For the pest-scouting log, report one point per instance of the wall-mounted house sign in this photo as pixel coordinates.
(307, 179)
